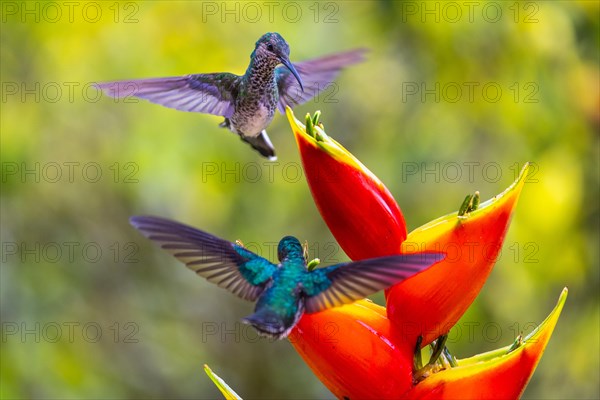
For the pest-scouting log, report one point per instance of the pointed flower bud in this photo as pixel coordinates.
(352, 200)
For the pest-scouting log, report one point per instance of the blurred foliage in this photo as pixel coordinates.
(157, 321)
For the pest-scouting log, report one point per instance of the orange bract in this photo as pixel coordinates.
(430, 303)
(499, 374)
(354, 351)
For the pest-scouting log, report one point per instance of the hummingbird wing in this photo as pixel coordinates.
(224, 263)
(317, 75)
(345, 283)
(205, 93)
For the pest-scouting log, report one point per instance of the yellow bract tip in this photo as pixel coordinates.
(221, 385)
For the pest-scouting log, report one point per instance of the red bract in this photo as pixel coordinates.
(362, 202)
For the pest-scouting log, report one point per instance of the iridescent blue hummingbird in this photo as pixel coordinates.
(248, 102)
(283, 291)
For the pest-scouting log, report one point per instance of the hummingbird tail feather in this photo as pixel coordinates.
(273, 324)
(267, 329)
(262, 144)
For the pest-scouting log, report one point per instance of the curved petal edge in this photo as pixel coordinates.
(430, 303)
(499, 374)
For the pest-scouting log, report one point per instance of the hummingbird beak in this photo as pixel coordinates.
(290, 66)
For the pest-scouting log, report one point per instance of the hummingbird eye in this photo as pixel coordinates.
(270, 47)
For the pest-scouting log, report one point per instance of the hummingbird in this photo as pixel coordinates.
(248, 102)
(282, 291)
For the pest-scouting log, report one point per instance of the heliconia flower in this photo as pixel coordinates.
(351, 199)
(360, 363)
(358, 210)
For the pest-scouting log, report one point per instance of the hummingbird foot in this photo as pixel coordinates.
(225, 124)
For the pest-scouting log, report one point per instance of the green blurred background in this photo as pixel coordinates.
(446, 104)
